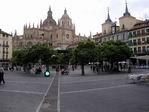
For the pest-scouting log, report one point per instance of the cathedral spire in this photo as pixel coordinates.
(65, 11)
(126, 10)
(49, 12)
(108, 17)
(15, 33)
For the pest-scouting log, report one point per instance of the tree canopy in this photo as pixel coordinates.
(84, 53)
(114, 51)
(38, 52)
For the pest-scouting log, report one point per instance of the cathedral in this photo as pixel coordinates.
(59, 35)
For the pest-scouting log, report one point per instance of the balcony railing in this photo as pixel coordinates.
(141, 53)
(138, 43)
(138, 35)
(5, 45)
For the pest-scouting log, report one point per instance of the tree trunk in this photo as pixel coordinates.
(117, 66)
(82, 68)
(111, 69)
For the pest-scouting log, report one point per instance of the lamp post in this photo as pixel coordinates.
(47, 72)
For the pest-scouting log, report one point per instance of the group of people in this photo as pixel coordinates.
(2, 75)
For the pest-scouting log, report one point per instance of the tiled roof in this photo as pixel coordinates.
(142, 24)
(2, 32)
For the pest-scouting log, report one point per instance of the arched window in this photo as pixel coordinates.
(67, 36)
(104, 31)
(51, 37)
(123, 27)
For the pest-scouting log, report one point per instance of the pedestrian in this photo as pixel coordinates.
(2, 75)
(57, 69)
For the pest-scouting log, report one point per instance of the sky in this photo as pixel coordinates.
(87, 15)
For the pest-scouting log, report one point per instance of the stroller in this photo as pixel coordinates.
(65, 71)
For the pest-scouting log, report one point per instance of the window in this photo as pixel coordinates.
(130, 42)
(130, 34)
(134, 42)
(51, 36)
(134, 33)
(6, 42)
(135, 50)
(138, 32)
(31, 36)
(147, 30)
(139, 49)
(143, 31)
(67, 36)
(104, 31)
(147, 39)
(123, 27)
(6, 49)
(143, 49)
(6, 56)
(3, 56)
(139, 41)
(147, 48)
(143, 40)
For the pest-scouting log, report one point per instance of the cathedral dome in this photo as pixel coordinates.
(65, 15)
(49, 21)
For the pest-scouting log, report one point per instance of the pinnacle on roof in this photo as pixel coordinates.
(126, 11)
(108, 17)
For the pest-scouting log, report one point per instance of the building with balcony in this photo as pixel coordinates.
(139, 42)
(112, 31)
(5, 48)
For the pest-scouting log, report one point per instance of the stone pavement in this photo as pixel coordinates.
(50, 101)
(22, 92)
(73, 93)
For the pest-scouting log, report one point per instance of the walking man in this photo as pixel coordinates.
(2, 75)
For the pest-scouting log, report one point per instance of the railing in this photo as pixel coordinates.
(138, 43)
(138, 35)
(141, 53)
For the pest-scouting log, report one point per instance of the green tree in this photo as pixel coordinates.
(40, 52)
(37, 53)
(114, 51)
(19, 56)
(84, 53)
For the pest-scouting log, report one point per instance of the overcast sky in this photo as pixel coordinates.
(88, 15)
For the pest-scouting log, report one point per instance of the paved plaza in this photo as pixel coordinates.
(103, 93)
(22, 92)
(73, 93)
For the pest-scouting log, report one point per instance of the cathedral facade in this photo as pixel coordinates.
(59, 35)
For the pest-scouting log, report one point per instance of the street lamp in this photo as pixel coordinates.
(47, 72)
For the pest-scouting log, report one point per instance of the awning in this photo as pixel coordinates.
(141, 57)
